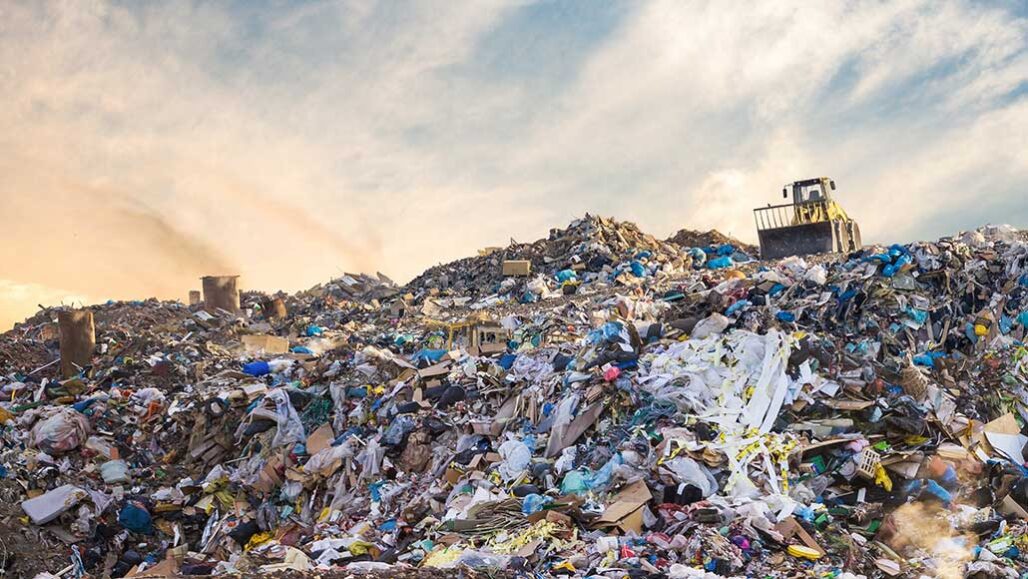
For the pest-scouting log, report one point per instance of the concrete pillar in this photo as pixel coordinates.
(220, 292)
(194, 297)
(274, 308)
(78, 340)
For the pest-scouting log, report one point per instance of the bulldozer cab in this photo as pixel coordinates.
(809, 190)
(812, 223)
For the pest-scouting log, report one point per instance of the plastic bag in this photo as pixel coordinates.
(398, 430)
(370, 460)
(136, 518)
(60, 432)
(115, 471)
(534, 503)
(567, 460)
(688, 471)
(566, 275)
(290, 429)
(713, 324)
(516, 456)
(482, 560)
(584, 480)
(574, 482)
(817, 274)
(720, 263)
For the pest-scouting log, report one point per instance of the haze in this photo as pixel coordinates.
(145, 144)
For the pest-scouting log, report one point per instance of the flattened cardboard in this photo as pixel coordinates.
(320, 439)
(434, 371)
(626, 510)
(1010, 507)
(266, 343)
(789, 528)
(578, 426)
(517, 267)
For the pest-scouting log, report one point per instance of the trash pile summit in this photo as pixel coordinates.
(600, 403)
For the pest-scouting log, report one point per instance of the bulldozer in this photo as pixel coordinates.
(812, 223)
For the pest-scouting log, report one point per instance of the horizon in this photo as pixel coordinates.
(405, 281)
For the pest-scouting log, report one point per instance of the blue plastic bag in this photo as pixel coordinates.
(507, 361)
(429, 355)
(720, 263)
(135, 518)
(739, 305)
(566, 275)
(919, 316)
(258, 368)
(534, 503)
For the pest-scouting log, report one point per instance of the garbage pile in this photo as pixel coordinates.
(848, 416)
(591, 249)
(688, 238)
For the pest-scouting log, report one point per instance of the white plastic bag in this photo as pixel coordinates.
(63, 430)
(290, 429)
(516, 457)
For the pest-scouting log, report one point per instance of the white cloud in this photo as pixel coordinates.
(145, 145)
(24, 298)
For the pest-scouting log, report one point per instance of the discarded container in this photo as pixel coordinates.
(274, 309)
(220, 292)
(868, 463)
(517, 267)
(78, 340)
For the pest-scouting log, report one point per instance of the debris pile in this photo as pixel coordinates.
(591, 249)
(688, 238)
(661, 411)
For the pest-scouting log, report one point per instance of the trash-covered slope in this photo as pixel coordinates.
(591, 245)
(690, 238)
(658, 411)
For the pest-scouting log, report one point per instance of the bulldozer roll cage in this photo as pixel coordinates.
(788, 214)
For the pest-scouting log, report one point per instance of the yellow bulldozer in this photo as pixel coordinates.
(812, 223)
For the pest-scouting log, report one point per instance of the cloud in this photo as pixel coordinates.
(147, 144)
(903, 103)
(26, 298)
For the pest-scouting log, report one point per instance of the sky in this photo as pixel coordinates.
(145, 144)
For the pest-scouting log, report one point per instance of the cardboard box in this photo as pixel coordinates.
(625, 513)
(517, 267)
(265, 343)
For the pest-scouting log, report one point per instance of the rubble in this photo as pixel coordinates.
(713, 238)
(631, 407)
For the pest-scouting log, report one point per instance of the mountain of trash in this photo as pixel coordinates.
(689, 238)
(613, 406)
(590, 246)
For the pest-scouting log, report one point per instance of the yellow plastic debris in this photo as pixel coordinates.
(803, 552)
(980, 330)
(882, 478)
(360, 547)
(259, 539)
(443, 556)
(566, 566)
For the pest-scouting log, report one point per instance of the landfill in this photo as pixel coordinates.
(614, 405)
